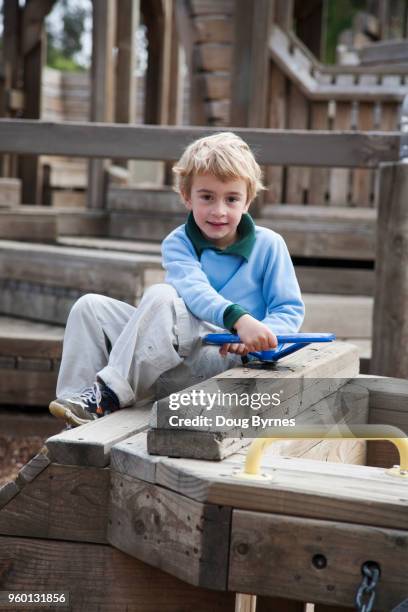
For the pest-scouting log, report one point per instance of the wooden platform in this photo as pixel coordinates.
(198, 525)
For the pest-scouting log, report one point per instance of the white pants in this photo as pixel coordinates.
(141, 353)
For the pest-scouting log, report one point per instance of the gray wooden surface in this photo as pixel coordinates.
(390, 322)
(288, 545)
(90, 444)
(352, 149)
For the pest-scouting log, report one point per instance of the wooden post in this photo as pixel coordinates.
(102, 101)
(250, 64)
(125, 92)
(158, 16)
(34, 51)
(284, 13)
(390, 324)
(125, 78)
(12, 64)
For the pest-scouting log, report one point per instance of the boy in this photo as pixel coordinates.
(222, 272)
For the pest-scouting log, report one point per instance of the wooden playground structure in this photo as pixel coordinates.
(126, 513)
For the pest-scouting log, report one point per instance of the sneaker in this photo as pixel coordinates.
(106, 400)
(78, 409)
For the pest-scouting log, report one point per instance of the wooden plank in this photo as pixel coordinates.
(213, 29)
(259, 540)
(319, 177)
(101, 109)
(346, 316)
(297, 180)
(384, 51)
(250, 63)
(62, 502)
(277, 120)
(126, 25)
(390, 324)
(297, 487)
(388, 397)
(299, 387)
(363, 180)
(339, 180)
(338, 281)
(319, 232)
(27, 388)
(188, 539)
(160, 143)
(146, 200)
(82, 223)
(10, 192)
(28, 226)
(90, 444)
(27, 561)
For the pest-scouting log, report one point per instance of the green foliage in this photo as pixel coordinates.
(63, 48)
(340, 15)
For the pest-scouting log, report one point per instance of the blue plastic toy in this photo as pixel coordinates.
(296, 342)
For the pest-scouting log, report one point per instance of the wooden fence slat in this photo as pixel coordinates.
(274, 175)
(363, 179)
(297, 181)
(339, 178)
(319, 177)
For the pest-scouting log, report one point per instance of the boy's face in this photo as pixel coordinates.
(217, 207)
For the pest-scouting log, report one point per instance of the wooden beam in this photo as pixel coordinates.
(314, 560)
(34, 46)
(65, 502)
(122, 582)
(125, 89)
(390, 323)
(311, 148)
(90, 445)
(284, 13)
(102, 100)
(302, 380)
(186, 538)
(250, 63)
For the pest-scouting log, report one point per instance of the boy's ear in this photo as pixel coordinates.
(186, 200)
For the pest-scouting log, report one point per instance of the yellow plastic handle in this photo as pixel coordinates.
(366, 432)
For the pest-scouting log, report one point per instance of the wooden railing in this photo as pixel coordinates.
(306, 94)
(337, 149)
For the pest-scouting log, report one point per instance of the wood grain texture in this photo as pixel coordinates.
(90, 444)
(188, 539)
(62, 502)
(167, 143)
(273, 555)
(324, 232)
(390, 323)
(119, 582)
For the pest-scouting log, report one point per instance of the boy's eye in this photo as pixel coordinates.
(232, 199)
(206, 197)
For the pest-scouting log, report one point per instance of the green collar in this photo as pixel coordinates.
(243, 246)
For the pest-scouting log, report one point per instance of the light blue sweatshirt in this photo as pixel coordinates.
(212, 283)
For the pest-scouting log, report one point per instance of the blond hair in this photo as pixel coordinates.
(226, 156)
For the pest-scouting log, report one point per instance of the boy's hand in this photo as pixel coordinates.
(255, 336)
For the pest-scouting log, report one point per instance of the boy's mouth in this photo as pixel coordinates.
(216, 224)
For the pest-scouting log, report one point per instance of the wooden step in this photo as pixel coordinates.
(346, 316)
(30, 355)
(10, 192)
(326, 232)
(41, 282)
(31, 223)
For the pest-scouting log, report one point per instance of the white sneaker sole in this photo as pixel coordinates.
(64, 413)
